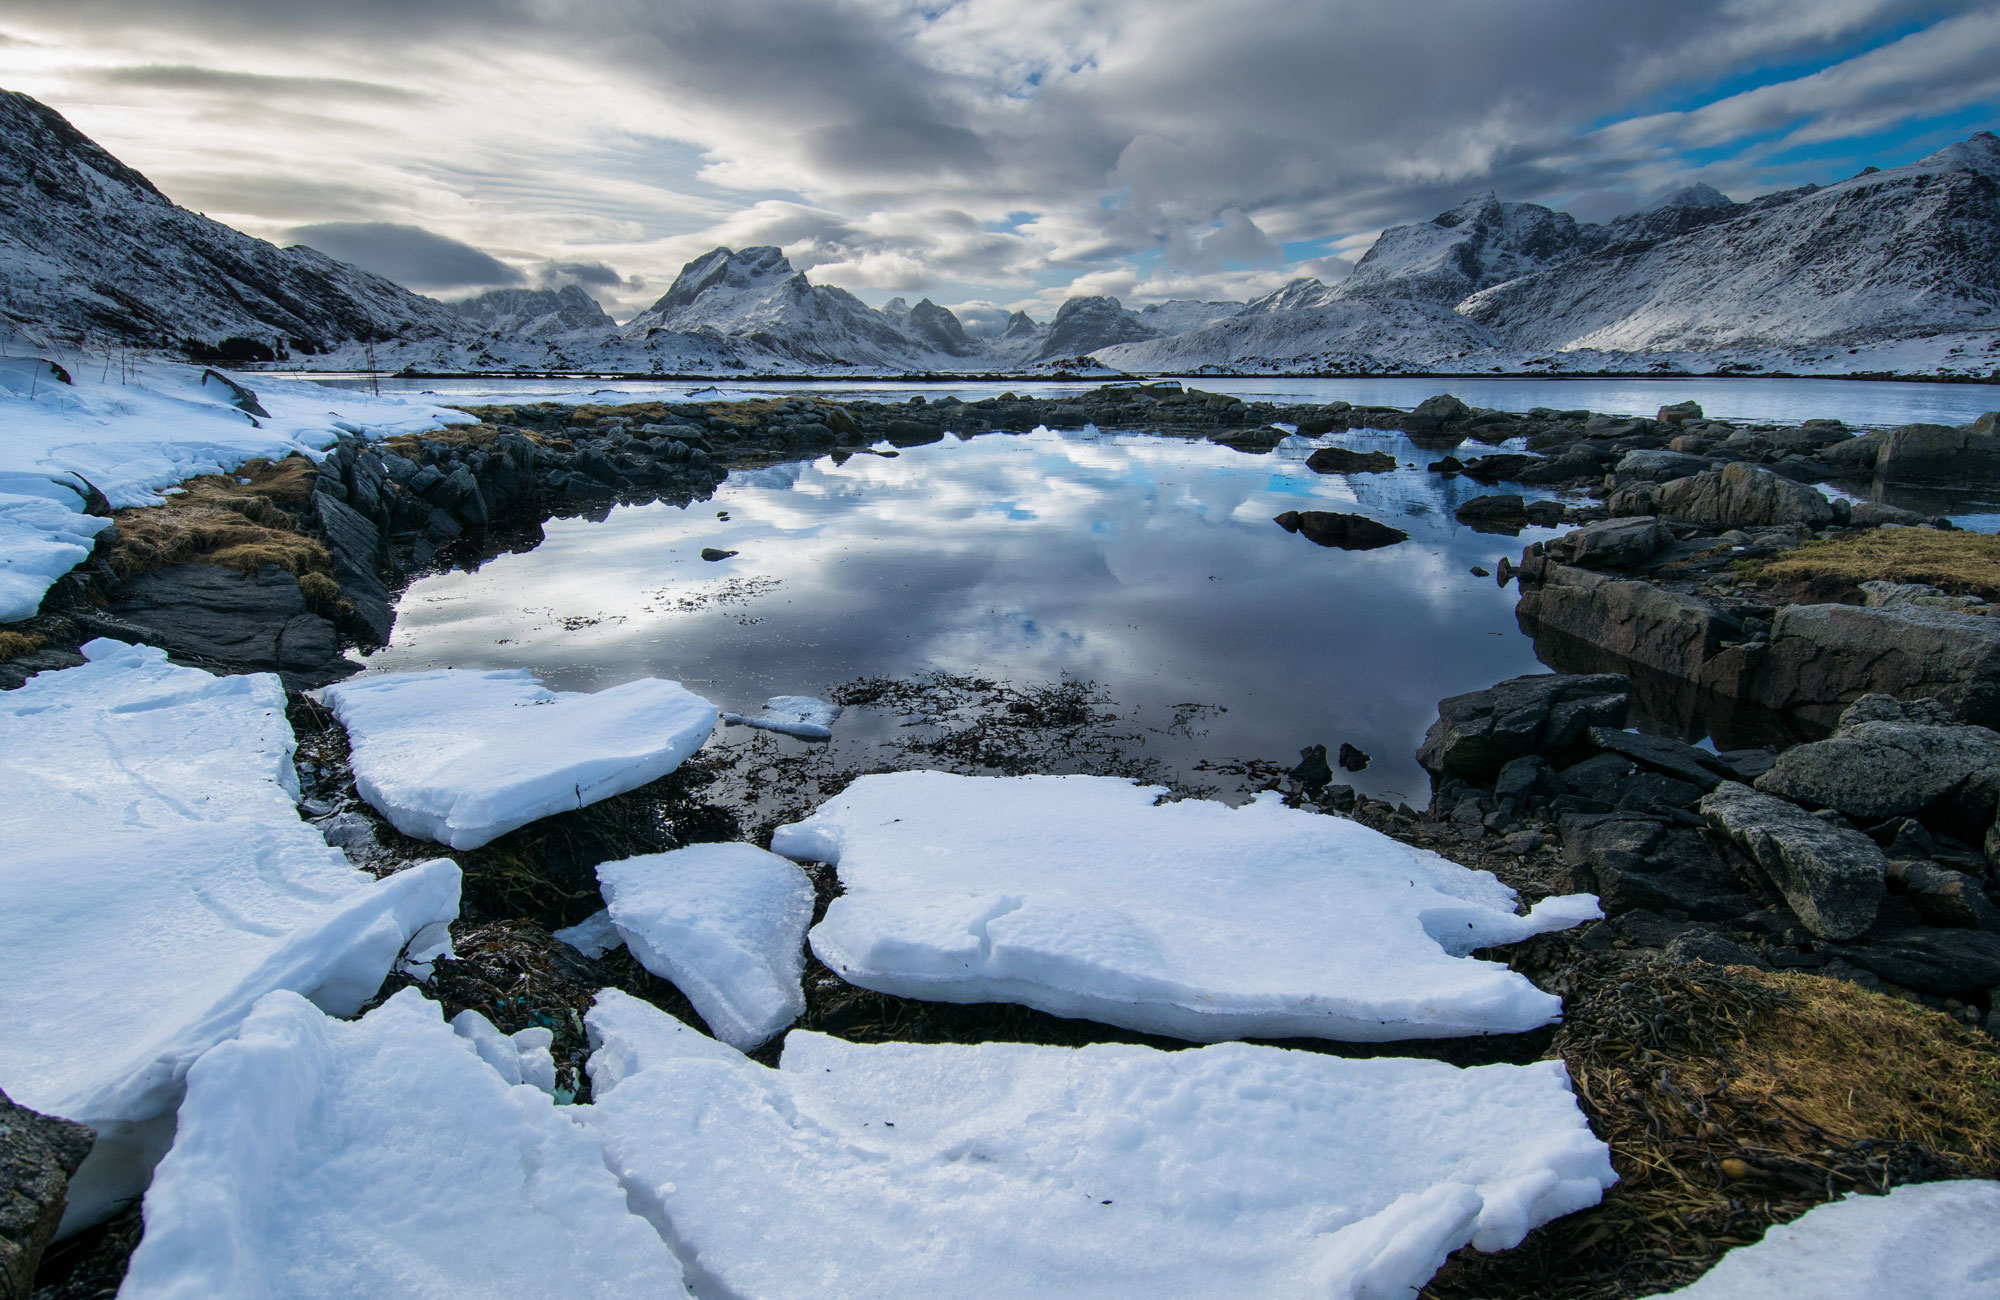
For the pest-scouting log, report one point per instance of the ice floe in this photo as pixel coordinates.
(1940, 1241)
(1007, 1169)
(726, 923)
(155, 881)
(1085, 896)
(381, 1157)
(147, 427)
(462, 757)
(804, 716)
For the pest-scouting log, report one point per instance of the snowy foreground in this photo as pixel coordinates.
(1084, 896)
(1938, 1241)
(157, 881)
(462, 757)
(132, 434)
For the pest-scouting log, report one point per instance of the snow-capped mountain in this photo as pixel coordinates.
(91, 251)
(537, 313)
(1886, 254)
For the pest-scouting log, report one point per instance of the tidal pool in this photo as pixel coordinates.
(1149, 566)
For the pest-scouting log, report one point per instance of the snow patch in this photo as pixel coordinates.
(1086, 896)
(803, 716)
(462, 757)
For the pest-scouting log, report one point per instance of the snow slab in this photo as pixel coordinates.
(1008, 1169)
(156, 881)
(725, 924)
(381, 1157)
(1939, 1241)
(1083, 896)
(593, 936)
(134, 430)
(519, 1057)
(804, 716)
(462, 757)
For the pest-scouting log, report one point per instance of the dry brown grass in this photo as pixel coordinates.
(1733, 1100)
(1961, 563)
(15, 644)
(408, 445)
(225, 520)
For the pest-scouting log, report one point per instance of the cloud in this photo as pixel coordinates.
(411, 256)
(979, 151)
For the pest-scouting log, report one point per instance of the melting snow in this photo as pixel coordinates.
(1083, 896)
(157, 881)
(463, 757)
(726, 923)
(1006, 1169)
(381, 1158)
(803, 716)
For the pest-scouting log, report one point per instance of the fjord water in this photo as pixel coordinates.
(1147, 565)
(1859, 403)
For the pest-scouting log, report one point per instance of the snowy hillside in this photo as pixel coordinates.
(91, 251)
(1884, 255)
(537, 313)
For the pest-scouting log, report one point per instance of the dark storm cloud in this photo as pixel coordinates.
(410, 255)
(594, 274)
(182, 76)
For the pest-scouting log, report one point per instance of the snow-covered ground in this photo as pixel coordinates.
(1008, 1169)
(156, 880)
(132, 428)
(726, 923)
(1087, 896)
(381, 1157)
(462, 757)
(1938, 1241)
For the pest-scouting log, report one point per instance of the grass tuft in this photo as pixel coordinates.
(1960, 563)
(240, 521)
(15, 644)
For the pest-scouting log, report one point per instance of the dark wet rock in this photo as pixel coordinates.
(1479, 732)
(1254, 441)
(1339, 460)
(1945, 897)
(1940, 961)
(1519, 779)
(1741, 496)
(1449, 465)
(1352, 758)
(243, 399)
(1824, 657)
(1832, 875)
(358, 558)
(1639, 862)
(1938, 455)
(1508, 508)
(228, 621)
(1611, 543)
(38, 1154)
(1313, 773)
(1878, 766)
(1595, 778)
(1659, 466)
(1681, 761)
(1433, 412)
(1500, 467)
(1747, 765)
(1875, 514)
(1545, 514)
(16, 671)
(1347, 532)
(1713, 947)
(1681, 413)
(715, 553)
(1636, 621)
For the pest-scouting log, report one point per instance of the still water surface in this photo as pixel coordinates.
(1150, 566)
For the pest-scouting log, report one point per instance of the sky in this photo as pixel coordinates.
(987, 154)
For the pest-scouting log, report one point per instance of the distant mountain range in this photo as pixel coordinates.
(1888, 271)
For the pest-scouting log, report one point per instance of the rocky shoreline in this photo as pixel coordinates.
(1852, 833)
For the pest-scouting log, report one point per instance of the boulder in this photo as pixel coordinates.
(1658, 466)
(1855, 457)
(1824, 657)
(1741, 496)
(38, 1153)
(1612, 543)
(1434, 411)
(1504, 508)
(1479, 732)
(1874, 514)
(225, 620)
(1832, 875)
(1681, 413)
(1674, 758)
(356, 546)
(1347, 532)
(1947, 963)
(1889, 767)
(1937, 454)
(1636, 621)
(1501, 466)
(1639, 863)
(1339, 460)
(1945, 897)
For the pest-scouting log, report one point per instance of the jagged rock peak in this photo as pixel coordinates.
(725, 268)
(1020, 325)
(936, 326)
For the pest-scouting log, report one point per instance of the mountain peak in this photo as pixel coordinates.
(1692, 196)
(724, 268)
